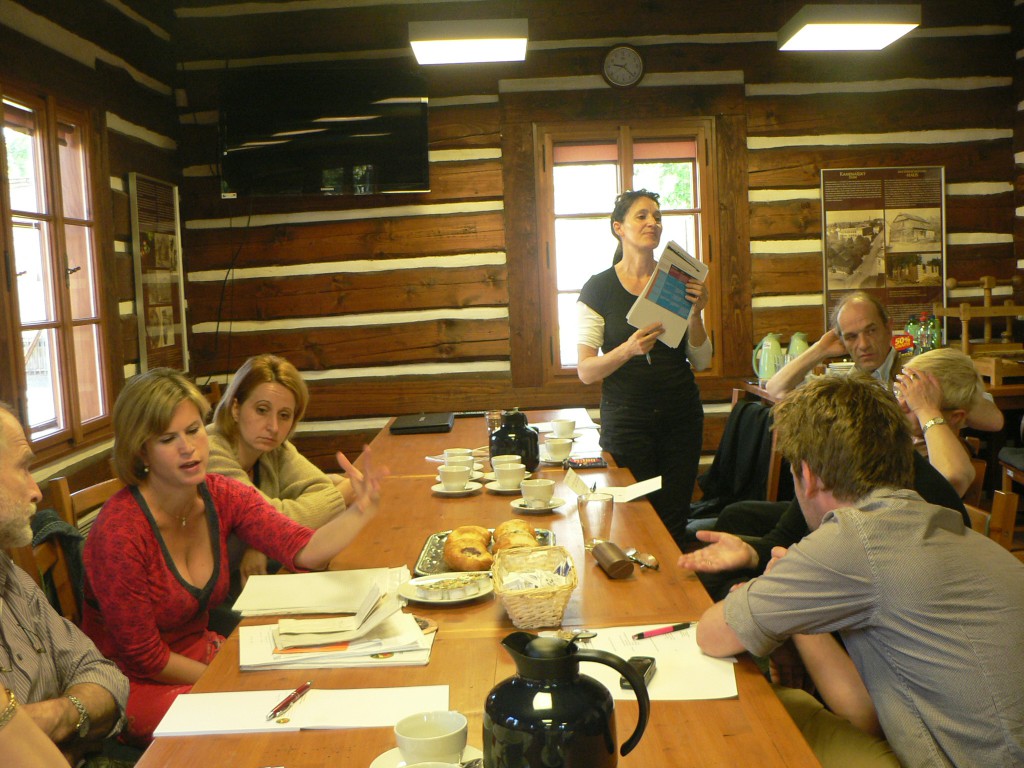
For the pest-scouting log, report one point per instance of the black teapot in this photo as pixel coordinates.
(514, 436)
(548, 715)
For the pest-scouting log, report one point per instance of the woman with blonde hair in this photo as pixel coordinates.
(249, 442)
(156, 557)
(940, 391)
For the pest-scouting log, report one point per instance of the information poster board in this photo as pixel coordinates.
(159, 289)
(884, 232)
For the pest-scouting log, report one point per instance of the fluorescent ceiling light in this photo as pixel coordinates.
(349, 119)
(866, 27)
(468, 42)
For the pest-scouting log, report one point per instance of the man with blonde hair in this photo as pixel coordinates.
(926, 608)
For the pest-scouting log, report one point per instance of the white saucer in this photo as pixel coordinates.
(393, 758)
(489, 476)
(474, 475)
(470, 488)
(545, 459)
(409, 592)
(520, 505)
(495, 488)
(573, 436)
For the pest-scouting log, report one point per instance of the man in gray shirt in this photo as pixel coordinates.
(931, 613)
(75, 695)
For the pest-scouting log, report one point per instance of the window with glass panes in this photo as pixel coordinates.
(584, 172)
(50, 243)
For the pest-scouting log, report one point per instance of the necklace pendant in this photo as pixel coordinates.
(184, 519)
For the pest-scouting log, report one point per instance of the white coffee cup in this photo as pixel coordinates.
(432, 737)
(537, 492)
(450, 453)
(506, 458)
(509, 476)
(454, 478)
(558, 448)
(563, 427)
(460, 461)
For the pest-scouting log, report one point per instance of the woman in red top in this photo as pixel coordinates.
(156, 557)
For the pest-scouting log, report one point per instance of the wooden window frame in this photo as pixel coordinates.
(521, 113)
(701, 130)
(53, 110)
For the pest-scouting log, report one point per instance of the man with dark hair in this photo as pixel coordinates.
(931, 613)
(859, 327)
(75, 696)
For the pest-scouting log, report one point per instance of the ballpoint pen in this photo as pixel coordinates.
(290, 699)
(662, 630)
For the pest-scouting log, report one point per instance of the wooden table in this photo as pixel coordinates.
(467, 655)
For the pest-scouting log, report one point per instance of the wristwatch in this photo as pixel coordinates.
(931, 423)
(82, 726)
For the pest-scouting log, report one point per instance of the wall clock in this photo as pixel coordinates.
(623, 66)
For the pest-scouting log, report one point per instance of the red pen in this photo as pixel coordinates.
(289, 700)
(662, 630)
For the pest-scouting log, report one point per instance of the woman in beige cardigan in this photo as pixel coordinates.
(257, 414)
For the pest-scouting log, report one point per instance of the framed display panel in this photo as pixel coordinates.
(884, 232)
(159, 288)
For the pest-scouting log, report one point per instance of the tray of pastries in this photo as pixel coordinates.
(472, 547)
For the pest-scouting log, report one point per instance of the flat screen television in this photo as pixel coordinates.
(324, 130)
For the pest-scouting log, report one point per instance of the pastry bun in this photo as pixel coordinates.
(467, 549)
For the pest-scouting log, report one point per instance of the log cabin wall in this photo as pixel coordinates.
(424, 302)
(117, 59)
(427, 302)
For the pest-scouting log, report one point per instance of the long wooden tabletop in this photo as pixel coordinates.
(467, 655)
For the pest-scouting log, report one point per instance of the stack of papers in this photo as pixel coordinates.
(374, 632)
(397, 641)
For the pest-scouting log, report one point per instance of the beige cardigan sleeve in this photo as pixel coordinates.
(289, 481)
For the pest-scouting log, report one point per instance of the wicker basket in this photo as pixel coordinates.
(537, 607)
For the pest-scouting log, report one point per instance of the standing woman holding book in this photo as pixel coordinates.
(156, 557)
(652, 420)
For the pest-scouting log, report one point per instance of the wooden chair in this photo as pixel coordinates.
(73, 507)
(973, 493)
(1003, 521)
(48, 563)
(24, 559)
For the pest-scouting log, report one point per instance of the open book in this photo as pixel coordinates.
(663, 300)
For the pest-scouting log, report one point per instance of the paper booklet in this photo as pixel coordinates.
(316, 633)
(663, 300)
(318, 592)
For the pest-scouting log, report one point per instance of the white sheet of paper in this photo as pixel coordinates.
(634, 491)
(683, 671)
(246, 711)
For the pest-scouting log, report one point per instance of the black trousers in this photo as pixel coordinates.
(654, 441)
